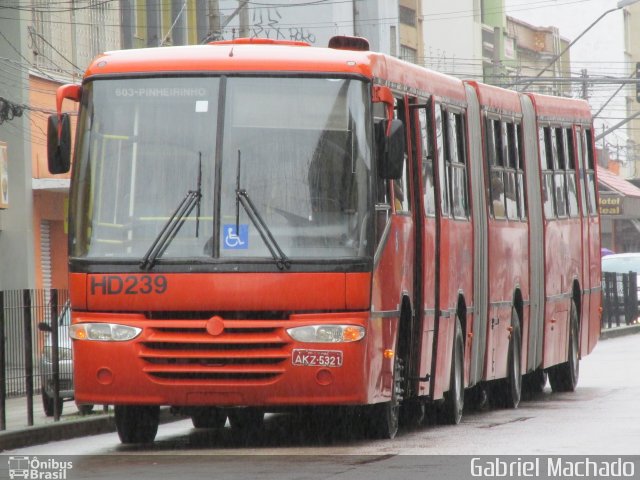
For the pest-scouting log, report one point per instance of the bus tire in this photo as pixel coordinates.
(246, 419)
(209, 417)
(512, 385)
(564, 377)
(454, 398)
(384, 418)
(534, 382)
(48, 404)
(137, 423)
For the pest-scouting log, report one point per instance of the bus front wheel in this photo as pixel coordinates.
(137, 423)
(384, 418)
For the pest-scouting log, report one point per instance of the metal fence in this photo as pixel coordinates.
(22, 343)
(619, 299)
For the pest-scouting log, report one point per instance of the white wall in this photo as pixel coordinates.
(313, 23)
(453, 37)
(16, 222)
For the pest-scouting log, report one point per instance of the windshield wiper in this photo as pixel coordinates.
(170, 229)
(242, 198)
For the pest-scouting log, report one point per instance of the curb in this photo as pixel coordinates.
(619, 331)
(69, 429)
(53, 432)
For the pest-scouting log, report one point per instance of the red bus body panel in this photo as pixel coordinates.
(220, 339)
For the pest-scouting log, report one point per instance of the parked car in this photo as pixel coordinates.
(65, 366)
(623, 263)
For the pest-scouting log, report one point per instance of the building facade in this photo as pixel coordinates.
(16, 208)
(49, 44)
(632, 58)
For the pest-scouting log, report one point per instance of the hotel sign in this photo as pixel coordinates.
(610, 205)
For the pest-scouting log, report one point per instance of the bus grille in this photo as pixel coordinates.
(246, 351)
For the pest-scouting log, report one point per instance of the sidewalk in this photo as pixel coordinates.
(45, 429)
(72, 424)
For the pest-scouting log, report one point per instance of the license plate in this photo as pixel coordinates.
(316, 358)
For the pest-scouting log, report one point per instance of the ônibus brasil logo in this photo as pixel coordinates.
(38, 469)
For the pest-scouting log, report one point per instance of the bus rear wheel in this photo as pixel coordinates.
(246, 419)
(564, 377)
(208, 417)
(454, 398)
(510, 389)
(137, 423)
(534, 382)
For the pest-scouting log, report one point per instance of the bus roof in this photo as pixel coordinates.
(497, 99)
(277, 57)
(560, 108)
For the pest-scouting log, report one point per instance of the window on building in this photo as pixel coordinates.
(408, 54)
(407, 16)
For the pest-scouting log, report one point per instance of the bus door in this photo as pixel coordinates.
(405, 197)
(422, 133)
(453, 238)
(584, 222)
(591, 238)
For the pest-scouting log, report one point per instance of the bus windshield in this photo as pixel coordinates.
(298, 149)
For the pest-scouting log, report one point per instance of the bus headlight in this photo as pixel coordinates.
(327, 333)
(103, 332)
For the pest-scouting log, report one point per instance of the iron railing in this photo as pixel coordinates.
(22, 343)
(619, 299)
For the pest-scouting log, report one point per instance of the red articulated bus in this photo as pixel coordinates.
(258, 226)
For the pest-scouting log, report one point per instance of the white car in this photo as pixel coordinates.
(623, 263)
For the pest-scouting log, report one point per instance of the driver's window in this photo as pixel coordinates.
(382, 193)
(401, 186)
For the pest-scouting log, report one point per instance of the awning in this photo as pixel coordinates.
(617, 183)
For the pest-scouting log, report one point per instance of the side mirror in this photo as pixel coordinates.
(390, 149)
(59, 131)
(59, 143)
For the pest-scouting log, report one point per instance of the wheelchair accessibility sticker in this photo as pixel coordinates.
(236, 240)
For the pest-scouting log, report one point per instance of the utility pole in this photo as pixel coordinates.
(214, 20)
(243, 17)
(585, 84)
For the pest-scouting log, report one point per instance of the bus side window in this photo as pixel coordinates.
(511, 167)
(401, 186)
(590, 174)
(382, 192)
(522, 197)
(426, 134)
(546, 164)
(458, 165)
(572, 192)
(559, 178)
(494, 140)
(443, 181)
(582, 177)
